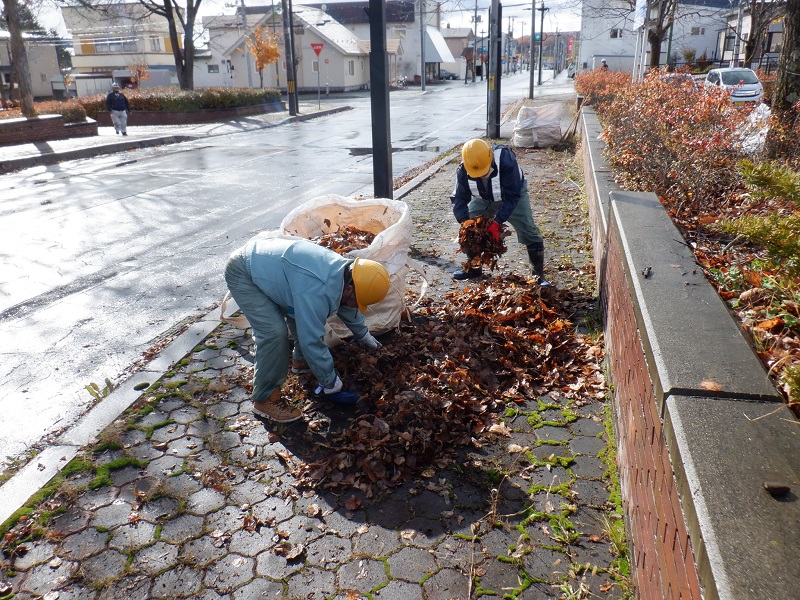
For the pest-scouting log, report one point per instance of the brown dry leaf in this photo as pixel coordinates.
(712, 386)
(606, 586)
(500, 429)
(773, 325)
(352, 503)
(353, 595)
(313, 510)
(289, 551)
(516, 448)
(595, 538)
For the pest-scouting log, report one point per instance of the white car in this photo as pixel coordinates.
(743, 84)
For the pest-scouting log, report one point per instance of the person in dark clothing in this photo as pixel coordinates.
(117, 105)
(490, 183)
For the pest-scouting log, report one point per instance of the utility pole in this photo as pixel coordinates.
(531, 63)
(247, 49)
(422, 42)
(379, 101)
(475, 53)
(495, 69)
(482, 65)
(738, 39)
(541, 9)
(277, 66)
(291, 84)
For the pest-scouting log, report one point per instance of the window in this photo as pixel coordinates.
(729, 41)
(775, 43)
(351, 68)
(155, 43)
(115, 45)
(616, 34)
(315, 66)
(362, 65)
(213, 68)
(698, 30)
(43, 77)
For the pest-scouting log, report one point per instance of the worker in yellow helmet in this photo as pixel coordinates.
(490, 183)
(294, 286)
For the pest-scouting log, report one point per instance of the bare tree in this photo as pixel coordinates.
(19, 57)
(781, 140)
(185, 14)
(762, 13)
(175, 12)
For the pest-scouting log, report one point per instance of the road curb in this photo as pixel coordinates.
(15, 164)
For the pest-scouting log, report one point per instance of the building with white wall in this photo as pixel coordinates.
(607, 32)
(42, 64)
(108, 44)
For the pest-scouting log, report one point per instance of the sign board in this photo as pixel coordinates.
(317, 48)
(537, 37)
(639, 13)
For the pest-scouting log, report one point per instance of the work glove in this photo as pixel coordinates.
(494, 231)
(336, 394)
(369, 341)
(336, 386)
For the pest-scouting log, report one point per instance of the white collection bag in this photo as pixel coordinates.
(538, 126)
(389, 220)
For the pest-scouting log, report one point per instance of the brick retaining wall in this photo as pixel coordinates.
(700, 427)
(42, 128)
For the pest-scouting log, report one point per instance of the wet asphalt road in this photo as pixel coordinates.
(103, 257)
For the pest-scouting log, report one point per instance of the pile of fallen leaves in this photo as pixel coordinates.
(475, 240)
(444, 379)
(345, 239)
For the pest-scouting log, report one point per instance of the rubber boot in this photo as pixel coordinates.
(536, 255)
(470, 273)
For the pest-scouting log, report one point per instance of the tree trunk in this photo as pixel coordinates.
(19, 59)
(780, 140)
(654, 39)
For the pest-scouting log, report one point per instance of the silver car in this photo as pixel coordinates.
(743, 84)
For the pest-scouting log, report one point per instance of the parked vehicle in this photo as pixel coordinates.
(443, 74)
(743, 84)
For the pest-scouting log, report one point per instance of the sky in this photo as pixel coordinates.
(563, 15)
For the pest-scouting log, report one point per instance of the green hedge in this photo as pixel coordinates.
(173, 99)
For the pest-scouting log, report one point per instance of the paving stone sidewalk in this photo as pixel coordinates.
(188, 495)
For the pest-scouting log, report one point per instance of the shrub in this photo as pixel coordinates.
(173, 99)
(599, 88)
(768, 83)
(779, 231)
(676, 140)
(71, 111)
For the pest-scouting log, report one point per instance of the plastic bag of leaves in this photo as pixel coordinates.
(475, 240)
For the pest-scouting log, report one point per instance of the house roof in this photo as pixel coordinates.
(355, 12)
(455, 32)
(436, 49)
(330, 30)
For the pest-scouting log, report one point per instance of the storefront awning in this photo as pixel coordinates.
(436, 50)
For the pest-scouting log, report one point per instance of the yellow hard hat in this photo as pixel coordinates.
(371, 282)
(477, 157)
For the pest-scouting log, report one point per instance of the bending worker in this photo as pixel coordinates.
(490, 183)
(294, 286)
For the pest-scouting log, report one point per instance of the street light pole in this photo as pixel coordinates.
(291, 89)
(541, 9)
(531, 62)
(246, 49)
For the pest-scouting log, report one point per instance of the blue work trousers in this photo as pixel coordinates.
(271, 329)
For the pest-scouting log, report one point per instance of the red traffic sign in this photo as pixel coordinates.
(317, 48)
